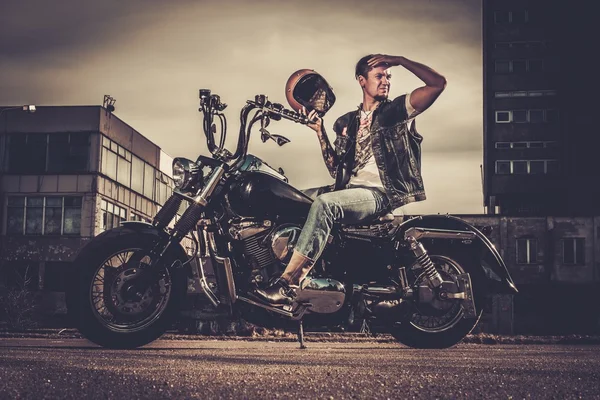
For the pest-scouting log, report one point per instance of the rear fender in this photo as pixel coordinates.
(492, 264)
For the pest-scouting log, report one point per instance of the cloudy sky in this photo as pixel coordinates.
(152, 56)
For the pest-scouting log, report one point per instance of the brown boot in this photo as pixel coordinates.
(297, 269)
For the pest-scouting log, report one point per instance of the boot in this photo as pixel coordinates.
(283, 290)
(279, 292)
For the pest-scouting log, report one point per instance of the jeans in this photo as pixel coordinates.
(347, 206)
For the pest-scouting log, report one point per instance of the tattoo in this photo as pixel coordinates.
(329, 155)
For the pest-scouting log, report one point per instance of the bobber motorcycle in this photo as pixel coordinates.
(423, 279)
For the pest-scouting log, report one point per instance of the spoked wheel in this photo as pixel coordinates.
(440, 321)
(119, 300)
(124, 295)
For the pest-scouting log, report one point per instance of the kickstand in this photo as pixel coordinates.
(301, 334)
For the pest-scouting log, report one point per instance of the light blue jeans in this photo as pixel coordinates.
(347, 206)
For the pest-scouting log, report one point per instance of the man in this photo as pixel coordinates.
(376, 162)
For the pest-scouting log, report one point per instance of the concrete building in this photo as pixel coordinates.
(67, 174)
(540, 138)
(541, 172)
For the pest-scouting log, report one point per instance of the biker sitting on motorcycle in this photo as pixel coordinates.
(376, 163)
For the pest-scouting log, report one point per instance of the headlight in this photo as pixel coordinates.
(185, 173)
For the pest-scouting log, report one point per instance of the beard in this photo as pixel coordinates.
(381, 97)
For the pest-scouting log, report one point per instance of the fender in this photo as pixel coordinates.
(493, 265)
(136, 226)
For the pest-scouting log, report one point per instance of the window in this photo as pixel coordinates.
(502, 66)
(502, 117)
(551, 166)
(68, 152)
(112, 215)
(503, 167)
(519, 167)
(527, 251)
(519, 145)
(573, 251)
(137, 217)
(519, 17)
(502, 17)
(535, 66)
(529, 93)
(37, 215)
(536, 167)
(519, 66)
(526, 116)
(37, 153)
(536, 116)
(519, 116)
(503, 145)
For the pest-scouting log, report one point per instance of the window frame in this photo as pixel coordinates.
(25, 206)
(574, 240)
(529, 259)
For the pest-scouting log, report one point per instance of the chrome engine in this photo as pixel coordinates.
(267, 249)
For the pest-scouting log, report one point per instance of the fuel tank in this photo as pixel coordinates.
(257, 194)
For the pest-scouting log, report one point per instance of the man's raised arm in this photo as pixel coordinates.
(423, 97)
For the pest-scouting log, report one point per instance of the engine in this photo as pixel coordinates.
(266, 248)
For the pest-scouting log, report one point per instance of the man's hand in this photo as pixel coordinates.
(313, 116)
(391, 61)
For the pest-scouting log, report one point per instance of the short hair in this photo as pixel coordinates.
(362, 67)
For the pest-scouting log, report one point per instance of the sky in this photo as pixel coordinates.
(152, 56)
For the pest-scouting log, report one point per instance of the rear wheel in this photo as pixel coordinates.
(118, 301)
(441, 322)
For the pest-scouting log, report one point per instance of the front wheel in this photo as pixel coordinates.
(117, 300)
(442, 323)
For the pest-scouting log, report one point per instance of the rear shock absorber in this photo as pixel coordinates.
(424, 261)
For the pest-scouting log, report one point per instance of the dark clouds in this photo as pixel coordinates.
(153, 56)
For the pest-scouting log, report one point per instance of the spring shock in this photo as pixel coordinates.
(424, 261)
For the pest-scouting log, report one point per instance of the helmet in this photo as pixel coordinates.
(307, 88)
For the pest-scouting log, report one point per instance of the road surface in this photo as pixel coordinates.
(75, 369)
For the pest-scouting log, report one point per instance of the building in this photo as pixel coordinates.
(541, 175)
(67, 174)
(540, 139)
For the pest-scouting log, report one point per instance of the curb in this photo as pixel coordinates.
(481, 338)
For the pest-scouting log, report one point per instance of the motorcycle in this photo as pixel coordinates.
(424, 280)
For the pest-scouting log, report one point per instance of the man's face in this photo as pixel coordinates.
(377, 84)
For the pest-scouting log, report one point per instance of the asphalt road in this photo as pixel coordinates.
(75, 368)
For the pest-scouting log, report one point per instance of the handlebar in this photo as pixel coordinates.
(276, 110)
(211, 105)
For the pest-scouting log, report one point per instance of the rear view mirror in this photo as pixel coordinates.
(307, 88)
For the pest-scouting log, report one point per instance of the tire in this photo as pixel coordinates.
(103, 300)
(414, 333)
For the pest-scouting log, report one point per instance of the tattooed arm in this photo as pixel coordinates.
(327, 150)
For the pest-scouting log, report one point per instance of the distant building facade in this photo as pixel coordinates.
(541, 174)
(540, 134)
(67, 174)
